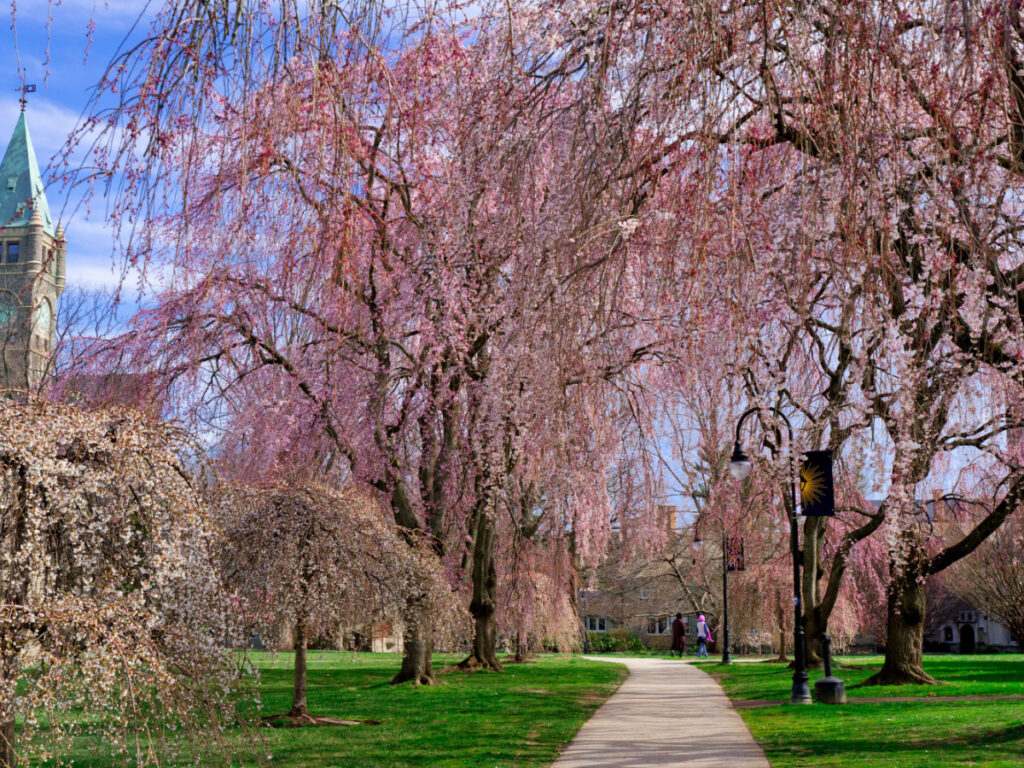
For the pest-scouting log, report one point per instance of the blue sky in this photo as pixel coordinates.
(63, 88)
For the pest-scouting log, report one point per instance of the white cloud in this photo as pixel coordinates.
(64, 11)
(49, 124)
(90, 257)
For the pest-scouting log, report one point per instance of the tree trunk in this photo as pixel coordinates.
(814, 627)
(815, 617)
(905, 635)
(299, 689)
(521, 647)
(417, 663)
(8, 682)
(7, 744)
(780, 618)
(484, 603)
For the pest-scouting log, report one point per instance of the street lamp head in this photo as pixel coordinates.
(739, 464)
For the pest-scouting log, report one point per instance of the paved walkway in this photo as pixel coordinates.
(667, 714)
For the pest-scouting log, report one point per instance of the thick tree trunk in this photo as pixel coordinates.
(417, 662)
(814, 628)
(299, 688)
(483, 606)
(815, 615)
(905, 636)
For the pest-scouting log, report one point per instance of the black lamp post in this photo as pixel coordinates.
(739, 466)
(726, 658)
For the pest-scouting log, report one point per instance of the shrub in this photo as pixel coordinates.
(618, 640)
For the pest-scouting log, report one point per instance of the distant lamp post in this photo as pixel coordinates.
(739, 466)
(726, 658)
(698, 546)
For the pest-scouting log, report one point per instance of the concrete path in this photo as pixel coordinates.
(667, 714)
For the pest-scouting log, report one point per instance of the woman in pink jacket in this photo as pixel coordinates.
(703, 637)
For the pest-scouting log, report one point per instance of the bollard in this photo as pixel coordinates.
(829, 690)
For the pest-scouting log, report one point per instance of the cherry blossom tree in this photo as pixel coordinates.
(335, 215)
(856, 214)
(311, 557)
(894, 246)
(533, 206)
(111, 594)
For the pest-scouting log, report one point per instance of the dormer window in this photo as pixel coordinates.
(12, 251)
(12, 182)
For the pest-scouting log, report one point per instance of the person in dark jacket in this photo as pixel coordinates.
(678, 635)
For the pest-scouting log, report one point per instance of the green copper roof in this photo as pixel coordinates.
(21, 186)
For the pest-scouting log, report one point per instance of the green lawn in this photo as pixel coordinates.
(894, 734)
(522, 717)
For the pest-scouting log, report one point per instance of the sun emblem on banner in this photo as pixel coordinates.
(812, 485)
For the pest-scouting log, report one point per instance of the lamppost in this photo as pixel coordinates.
(739, 466)
(698, 545)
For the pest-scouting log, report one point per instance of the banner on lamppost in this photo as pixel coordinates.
(734, 554)
(817, 496)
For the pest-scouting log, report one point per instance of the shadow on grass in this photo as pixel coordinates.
(981, 739)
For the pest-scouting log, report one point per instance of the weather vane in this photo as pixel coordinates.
(25, 89)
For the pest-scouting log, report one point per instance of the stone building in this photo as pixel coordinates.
(954, 625)
(32, 260)
(639, 596)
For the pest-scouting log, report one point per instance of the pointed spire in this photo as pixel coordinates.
(21, 186)
(60, 232)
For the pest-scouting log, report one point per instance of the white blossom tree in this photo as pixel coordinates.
(110, 604)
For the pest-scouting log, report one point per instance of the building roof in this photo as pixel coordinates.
(21, 185)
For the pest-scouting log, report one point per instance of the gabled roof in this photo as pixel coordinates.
(21, 186)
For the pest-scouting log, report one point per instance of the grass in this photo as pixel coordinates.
(888, 734)
(522, 717)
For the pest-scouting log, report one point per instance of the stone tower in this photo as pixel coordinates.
(32, 257)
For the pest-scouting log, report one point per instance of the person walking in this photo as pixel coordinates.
(703, 637)
(678, 636)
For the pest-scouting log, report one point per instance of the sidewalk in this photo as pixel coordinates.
(667, 714)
